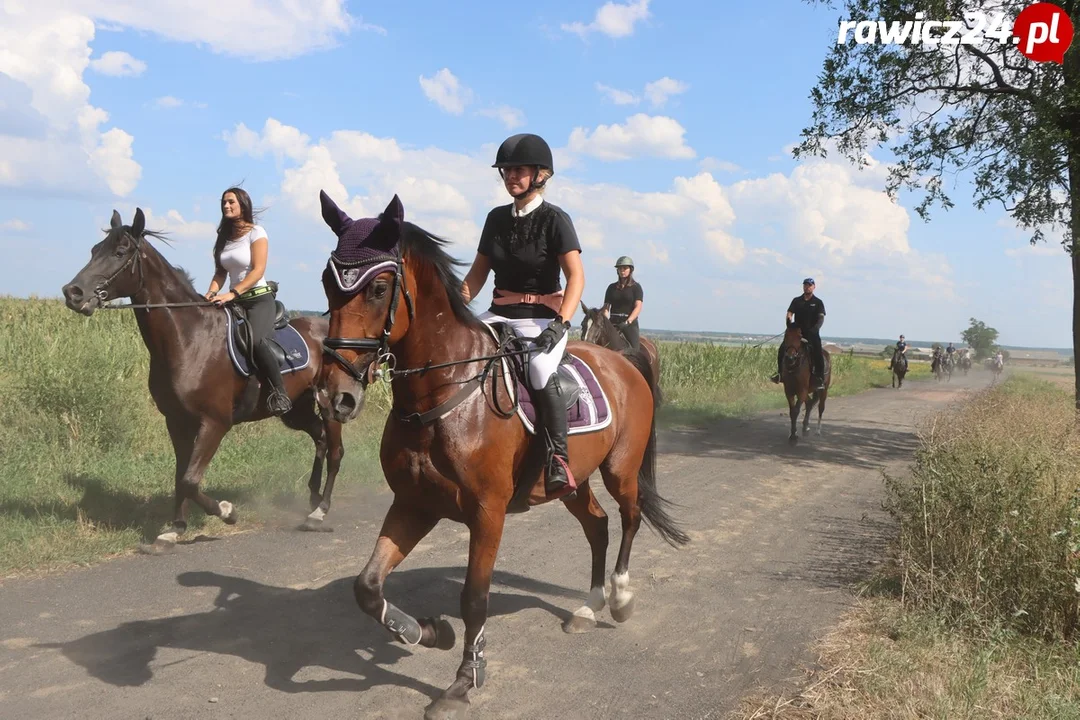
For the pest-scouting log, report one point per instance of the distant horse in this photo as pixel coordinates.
(192, 380)
(965, 362)
(899, 367)
(451, 450)
(947, 366)
(996, 366)
(597, 328)
(936, 364)
(796, 378)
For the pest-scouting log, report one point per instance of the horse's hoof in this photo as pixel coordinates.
(228, 515)
(447, 709)
(445, 637)
(165, 543)
(793, 440)
(579, 624)
(622, 614)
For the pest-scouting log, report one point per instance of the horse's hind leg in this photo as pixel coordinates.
(402, 529)
(326, 434)
(594, 522)
(622, 484)
(821, 409)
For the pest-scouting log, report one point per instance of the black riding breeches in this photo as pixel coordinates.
(630, 332)
(260, 316)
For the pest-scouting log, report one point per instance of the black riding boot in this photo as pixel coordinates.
(558, 480)
(278, 402)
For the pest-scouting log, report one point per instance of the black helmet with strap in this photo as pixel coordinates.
(526, 149)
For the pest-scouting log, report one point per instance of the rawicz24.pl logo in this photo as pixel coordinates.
(1041, 32)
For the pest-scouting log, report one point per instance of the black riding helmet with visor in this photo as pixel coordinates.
(525, 149)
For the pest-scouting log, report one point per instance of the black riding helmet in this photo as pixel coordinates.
(525, 149)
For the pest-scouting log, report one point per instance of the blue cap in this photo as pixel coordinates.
(809, 281)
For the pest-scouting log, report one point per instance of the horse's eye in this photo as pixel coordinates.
(379, 290)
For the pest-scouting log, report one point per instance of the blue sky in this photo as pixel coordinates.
(670, 122)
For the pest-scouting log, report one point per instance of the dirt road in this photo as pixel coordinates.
(263, 625)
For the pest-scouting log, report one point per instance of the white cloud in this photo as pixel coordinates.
(510, 117)
(173, 223)
(612, 19)
(619, 97)
(641, 135)
(1042, 249)
(269, 29)
(168, 102)
(59, 145)
(711, 164)
(118, 64)
(445, 90)
(15, 224)
(660, 90)
(450, 194)
(277, 139)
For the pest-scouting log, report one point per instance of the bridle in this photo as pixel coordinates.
(133, 263)
(379, 345)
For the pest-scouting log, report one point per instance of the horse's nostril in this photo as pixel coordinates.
(73, 293)
(345, 403)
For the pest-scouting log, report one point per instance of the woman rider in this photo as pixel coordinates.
(622, 301)
(240, 253)
(527, 243)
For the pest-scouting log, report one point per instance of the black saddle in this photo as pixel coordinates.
(241, 333)
(520, 367)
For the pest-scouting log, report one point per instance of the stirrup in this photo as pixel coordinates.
(568, 490)
(278, 403)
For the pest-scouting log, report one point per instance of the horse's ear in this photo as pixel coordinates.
(395, 210)
(584, 308)
(116, 220)
(138, 225)
(334, 216)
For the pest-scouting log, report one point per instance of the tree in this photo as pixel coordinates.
(982, 111)
(980, 338)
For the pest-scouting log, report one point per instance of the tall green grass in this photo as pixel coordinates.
(86, 467)
(990, 516)
(703, 381)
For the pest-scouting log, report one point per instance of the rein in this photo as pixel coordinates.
(133, 262)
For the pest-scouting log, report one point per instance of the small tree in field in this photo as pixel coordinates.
(983, 112)
(980, 338)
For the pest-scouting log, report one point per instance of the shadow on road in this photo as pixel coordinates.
(288, 630)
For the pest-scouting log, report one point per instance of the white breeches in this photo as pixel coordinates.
(541, 365)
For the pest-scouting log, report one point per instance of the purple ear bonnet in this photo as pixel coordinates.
(366, 247)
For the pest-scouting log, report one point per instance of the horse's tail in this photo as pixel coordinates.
(654, 508)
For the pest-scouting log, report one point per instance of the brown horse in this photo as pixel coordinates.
(192, 380)
(449, 449)
(899, 367)
(597, 328)
(796, 377)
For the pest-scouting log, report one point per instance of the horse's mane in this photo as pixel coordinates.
(611, 334)
(176, 275)
(430, 250)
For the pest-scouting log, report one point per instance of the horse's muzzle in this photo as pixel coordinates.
(346, 406)
(77, 300)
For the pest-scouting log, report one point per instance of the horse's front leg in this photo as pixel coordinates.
(806, 416)
(402, 529)
(794, 402)
(484, 538)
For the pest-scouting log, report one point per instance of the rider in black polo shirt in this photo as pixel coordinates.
(808, 312)
(622, 302)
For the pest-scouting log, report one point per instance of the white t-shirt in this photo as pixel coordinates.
(236, 257)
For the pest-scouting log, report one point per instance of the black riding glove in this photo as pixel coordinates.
(551, 335)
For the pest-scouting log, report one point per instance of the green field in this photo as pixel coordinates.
(86, 468)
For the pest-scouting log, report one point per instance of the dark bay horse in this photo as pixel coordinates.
(452, 450)
(899, 367)
(796, 378)
(192, 380)
(597, 328)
